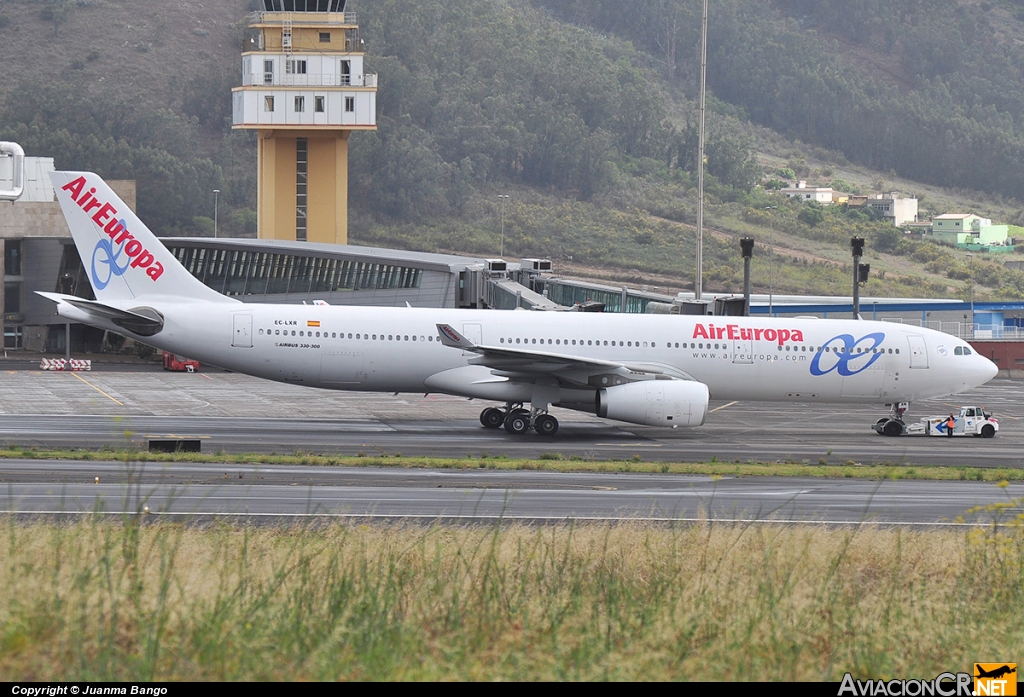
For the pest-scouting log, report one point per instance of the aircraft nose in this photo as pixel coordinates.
(988, 369)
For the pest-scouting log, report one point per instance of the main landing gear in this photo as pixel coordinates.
(893, 424)
(518, 420)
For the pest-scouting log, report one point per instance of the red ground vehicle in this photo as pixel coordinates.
(175, 362)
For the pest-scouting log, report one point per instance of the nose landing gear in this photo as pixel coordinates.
(893, 425)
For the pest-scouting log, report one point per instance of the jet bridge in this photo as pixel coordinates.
(16, 155)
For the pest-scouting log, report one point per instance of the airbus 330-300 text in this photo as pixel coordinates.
(656, 370)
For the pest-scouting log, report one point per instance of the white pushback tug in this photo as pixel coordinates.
(970, 421)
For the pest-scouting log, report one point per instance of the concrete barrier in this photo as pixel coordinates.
(62, 364)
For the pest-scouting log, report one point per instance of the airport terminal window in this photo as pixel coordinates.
(268, 104)
(318, 105)
(300, 105)
(12, 298)
(12, 258)
(350, 104)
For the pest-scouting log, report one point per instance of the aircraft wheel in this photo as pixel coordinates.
(546, 425)
(882, 421)
(518, 422)
(988, 430)
(893, 428)
(492, 418)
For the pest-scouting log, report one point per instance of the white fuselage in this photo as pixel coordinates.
(738, 358)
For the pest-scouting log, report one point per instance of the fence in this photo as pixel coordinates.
(965, 330)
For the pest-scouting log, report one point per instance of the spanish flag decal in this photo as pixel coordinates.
(312, 323)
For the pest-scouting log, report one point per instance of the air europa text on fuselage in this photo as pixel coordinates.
(106, 218)
(738, 333)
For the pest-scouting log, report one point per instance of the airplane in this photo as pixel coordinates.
(655, 370)
(995, 673)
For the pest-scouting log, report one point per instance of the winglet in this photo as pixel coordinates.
(450, 337)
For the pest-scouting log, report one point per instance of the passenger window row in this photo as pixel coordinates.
(695, 345)
(959, 351)
(341, 335)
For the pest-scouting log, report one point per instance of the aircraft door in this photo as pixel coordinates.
(339, 367)
(243, 332)
(918, 351)
(743, 351)
(866, 383)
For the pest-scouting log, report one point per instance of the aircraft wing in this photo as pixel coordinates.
(527, 364)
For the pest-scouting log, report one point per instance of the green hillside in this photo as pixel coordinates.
(582, 113)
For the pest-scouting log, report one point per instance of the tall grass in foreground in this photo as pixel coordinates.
(99, 600)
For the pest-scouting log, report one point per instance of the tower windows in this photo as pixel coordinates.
(350, 104)
(318, 105)
(325, 37)
(268, 104)
(268, 73)
(300, 105)
(295, 67)
(301, 183)
(346, 72)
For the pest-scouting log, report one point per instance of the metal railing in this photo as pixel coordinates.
(965, 330)
(308, 80)
(305, 18)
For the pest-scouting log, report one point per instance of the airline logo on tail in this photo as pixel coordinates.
(136, 255)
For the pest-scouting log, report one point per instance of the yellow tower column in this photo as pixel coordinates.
(304, 90)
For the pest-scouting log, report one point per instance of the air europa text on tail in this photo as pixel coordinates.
(106, 217)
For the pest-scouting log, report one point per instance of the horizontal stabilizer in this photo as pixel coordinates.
(143, 321)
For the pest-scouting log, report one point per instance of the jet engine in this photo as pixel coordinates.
(655, 402)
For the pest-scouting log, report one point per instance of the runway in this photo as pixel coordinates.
(236, 413)
(199, 491)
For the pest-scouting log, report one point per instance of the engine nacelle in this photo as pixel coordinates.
(655, 403)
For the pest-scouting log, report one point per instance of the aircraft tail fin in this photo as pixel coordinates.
(123, 258)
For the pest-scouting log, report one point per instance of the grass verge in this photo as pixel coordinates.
(95, 600)
(552, 462)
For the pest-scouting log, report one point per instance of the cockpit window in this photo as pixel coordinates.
(958, 351)
(967, 351)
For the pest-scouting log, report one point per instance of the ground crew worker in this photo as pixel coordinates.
(950, 423)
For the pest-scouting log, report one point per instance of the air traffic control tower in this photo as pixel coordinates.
(304, 90)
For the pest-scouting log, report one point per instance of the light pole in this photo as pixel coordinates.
(747, 248)
(771, 258)
(216, 201)
(698, 286)
(971, 272)
(857, 247)
(503, 197)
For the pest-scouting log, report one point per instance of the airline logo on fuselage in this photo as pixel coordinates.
(137, 256)
(846, 355)
(735, 332)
